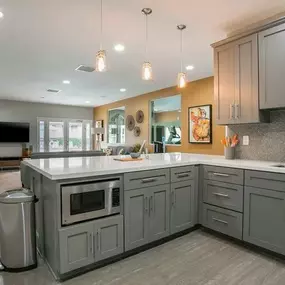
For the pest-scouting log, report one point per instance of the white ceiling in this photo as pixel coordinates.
(43, 41)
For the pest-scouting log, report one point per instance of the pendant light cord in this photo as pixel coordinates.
(146, 35)
(181, 50)
(101, 25)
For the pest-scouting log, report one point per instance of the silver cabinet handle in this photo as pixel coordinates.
(145, 204)
(182, 175)
(150, 204)
(91, 242)
(231, 111)
(172, 198)
(220, 174)
(220, 221)
(148, 180)
(221, 195)
(236, 111)
(99, 240)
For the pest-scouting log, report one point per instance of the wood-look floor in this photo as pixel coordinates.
(197, 258)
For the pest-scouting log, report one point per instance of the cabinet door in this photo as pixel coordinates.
(246, 72)
(76, 247)
(264, 218)
(182, 206)
(136, 218)
(224, 82)
(108, 235)
(159, 212)
(272, 67)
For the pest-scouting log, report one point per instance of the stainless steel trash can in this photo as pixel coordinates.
(17, 230)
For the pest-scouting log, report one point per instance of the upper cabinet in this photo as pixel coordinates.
(272, 67)
(248, 73)
(236, 81)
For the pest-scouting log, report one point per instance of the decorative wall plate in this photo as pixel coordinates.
(139, 116)
(130, 122)
(137, 131)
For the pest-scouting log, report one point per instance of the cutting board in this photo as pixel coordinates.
(128, 159)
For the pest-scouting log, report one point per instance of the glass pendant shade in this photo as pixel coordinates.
(101, 61)
(147, 71)
(181, 80)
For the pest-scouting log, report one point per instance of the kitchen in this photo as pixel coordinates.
(191, 213)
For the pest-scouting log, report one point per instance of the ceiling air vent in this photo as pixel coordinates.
(85, 68)
(53, 90)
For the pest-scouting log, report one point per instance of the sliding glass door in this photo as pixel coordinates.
(55, 135)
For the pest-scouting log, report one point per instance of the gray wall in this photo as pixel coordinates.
(266, 141)
(14, 111)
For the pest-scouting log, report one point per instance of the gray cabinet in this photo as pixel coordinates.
(236, 82)
(272, 67)
(87, 243)
(76, 247)
(136, 216)
(264, 218)
(146, 215)
(159, 212)
(182, 206)
(108, 237)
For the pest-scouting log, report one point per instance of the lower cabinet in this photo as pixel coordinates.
(146, 215)
(264, 218)
(182, 213)
(83, 244)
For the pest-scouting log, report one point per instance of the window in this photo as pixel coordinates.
(56, 135)
(116, 126)
(165, 120)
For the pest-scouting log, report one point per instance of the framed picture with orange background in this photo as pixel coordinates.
(200, 124)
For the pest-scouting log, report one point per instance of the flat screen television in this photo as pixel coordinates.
(11, 132)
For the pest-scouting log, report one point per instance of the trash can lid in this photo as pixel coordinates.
(17, 196)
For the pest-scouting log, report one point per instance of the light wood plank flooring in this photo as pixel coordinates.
(198, 258)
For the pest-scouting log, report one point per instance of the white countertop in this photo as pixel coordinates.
(79, 167)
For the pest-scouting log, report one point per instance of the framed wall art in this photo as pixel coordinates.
(200, 124)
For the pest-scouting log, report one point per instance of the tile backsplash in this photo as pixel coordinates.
(266, 141)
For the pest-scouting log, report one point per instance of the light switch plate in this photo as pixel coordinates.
(245, 140)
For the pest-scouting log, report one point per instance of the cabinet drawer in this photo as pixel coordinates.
(223, 174)
(182, 173)
(265, 180)
(224, 195)
(147, 178)
(223, 221)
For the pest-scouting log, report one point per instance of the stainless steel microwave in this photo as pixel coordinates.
(81, 202)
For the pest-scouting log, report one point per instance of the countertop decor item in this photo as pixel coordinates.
(135, 154)
(130, 122)
(128, 159)
(200, 124)
(230, 143)
(137, 131)
(139, 116)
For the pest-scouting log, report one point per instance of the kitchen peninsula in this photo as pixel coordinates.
(92, 210)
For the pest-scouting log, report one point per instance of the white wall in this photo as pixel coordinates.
(14, 111)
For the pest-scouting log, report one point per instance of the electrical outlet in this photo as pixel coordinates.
(245, 140)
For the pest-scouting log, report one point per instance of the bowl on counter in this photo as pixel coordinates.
(135, 155)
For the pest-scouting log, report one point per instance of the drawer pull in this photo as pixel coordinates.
(182, 175)
(145, 205)
(148, 180)
(220, 174)
(221, 195)
(220, 221)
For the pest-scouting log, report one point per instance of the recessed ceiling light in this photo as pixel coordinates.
(87, 102)
(119, 47)
(123, 89)
(42, 97)
(1, 15)
(189, 67)
(66, 82)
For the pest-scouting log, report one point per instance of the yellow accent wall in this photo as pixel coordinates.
(196, 93)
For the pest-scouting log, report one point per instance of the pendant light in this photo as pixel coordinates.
(101, 65)
(146, 68)
(181, 78)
